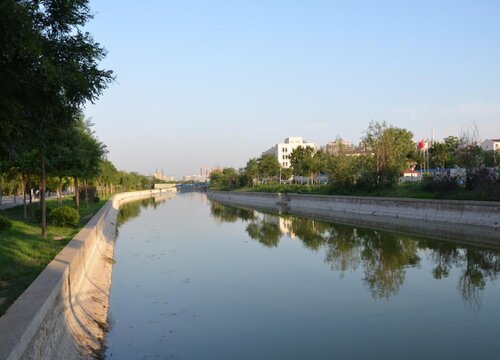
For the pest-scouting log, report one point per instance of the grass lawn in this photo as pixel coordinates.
(24, 254)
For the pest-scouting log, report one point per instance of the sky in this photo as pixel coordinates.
(215, 83)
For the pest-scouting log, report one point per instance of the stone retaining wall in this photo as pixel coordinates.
(465, 221)
(63, 313)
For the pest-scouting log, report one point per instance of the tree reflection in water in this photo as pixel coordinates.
(382, 256)
(131, 210)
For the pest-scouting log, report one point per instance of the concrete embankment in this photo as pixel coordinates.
(475, 222)
(63, 313)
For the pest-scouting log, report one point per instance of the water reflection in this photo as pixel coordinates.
(131, 210)
(383, 257)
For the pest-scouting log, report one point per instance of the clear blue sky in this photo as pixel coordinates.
(205, 83)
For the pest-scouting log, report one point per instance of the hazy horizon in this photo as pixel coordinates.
(201, 84)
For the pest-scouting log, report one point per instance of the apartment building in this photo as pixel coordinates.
(283, 150)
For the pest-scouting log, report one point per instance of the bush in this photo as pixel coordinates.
(5, 223)
(482, 177)
(91, 191)
(64, 216)
(97, 199)
(441, 182)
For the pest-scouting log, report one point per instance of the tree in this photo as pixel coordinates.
(301, 160)
(251, 171)
(342, 169)
(469, 153)
(390, 147)
(78, 154)
(19, 55)
(268, 167)
(443, 154)
(107, 176)
(62, 76)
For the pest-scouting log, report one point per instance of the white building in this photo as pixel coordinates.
(332, 147)
(160, 175)
(195, 178)
(491, 144)
(282, 151)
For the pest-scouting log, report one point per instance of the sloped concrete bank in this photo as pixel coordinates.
(476, 222)
(63, 313)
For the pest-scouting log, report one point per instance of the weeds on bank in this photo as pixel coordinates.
(402, 190)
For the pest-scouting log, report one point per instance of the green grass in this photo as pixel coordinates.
(24, 254)
(402, 190)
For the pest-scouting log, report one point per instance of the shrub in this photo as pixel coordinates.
(440, 182)
(64, 216)
(482, 177)
(97, 199)
(5, 223)
(91, 191)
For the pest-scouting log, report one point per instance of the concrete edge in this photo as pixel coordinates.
(53, 318)
(356, 214)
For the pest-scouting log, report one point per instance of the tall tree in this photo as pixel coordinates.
(269, 167)
(302, 161)
(390, 147)
(66, 74)
(78, 154)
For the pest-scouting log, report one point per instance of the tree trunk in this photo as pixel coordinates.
(59, 192)
(77, 194)
(86, 193)
(31, 199)
(1, 190)
(25, 208)
(43, 205)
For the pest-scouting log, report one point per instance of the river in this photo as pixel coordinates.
(195, 279)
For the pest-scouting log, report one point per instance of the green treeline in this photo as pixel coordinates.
(375, 167)
(49, 69)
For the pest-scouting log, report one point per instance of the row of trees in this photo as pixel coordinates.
(387, 151)
(49, 69)
(77, 159)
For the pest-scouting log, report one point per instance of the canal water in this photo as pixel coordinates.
(195, 279)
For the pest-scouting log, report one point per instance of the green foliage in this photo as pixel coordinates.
(444, 154)
(390, 147)
(268, 167)
(344, 169)
(5, 223)
(302, 161)
(225, 179)
(441, 182)
(88, 191)
(64, 216)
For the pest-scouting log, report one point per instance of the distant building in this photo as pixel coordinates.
(283, 150)
(160, 175)
(491, 144)
(332, 147)
(204, 171)
(195, 178)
